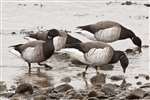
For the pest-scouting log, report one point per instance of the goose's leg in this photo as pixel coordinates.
(96, 68)
(84, 73)
(29, 71)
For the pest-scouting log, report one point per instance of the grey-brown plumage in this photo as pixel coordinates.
(37, 51)
(110, 31)
(59, 42)
(96, 54)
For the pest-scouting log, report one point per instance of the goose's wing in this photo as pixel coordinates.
(98, 26)
(31, 44)
(96, 44)
(99, 56)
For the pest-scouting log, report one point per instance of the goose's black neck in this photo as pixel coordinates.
(116, 57)
(126, 33)
(48, 48)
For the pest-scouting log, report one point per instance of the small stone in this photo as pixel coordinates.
(93, 98)
(55, 96)
(25, 87)
(109, 89)
(139, 83)
(117, 78)
(40, 97)
(13, 33)
(63, 88)
(147, 77)
(98, 80)
(146, 85)
(136, 77)
(136, 94)
(66, 79)
(92, 94)
(146, 98)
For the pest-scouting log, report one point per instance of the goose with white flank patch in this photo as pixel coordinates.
(95, 54)
(37, 51)
(109, 31)
(59, 41)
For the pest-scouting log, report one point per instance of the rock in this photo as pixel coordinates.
(139, 83)
(93, 98)
(55, 96)
(66, 79)
(25, 87)
(13, 33)
(3, 86)
(146, 85)
(147, 98)
(127, 3)
(46, 90)
(40, 97)
(136, 94)
(92, 94)
(7, 95)
(98, 80)
(83, 92)
(72, 94)
(109, 89)
(147, 77)
(136, 77)
(117, 78)
(63, 88)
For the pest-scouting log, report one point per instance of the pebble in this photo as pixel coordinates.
(63, 88)
(139, 83)
(109, 89)
(93, 98)
(136, 77)
(66, 79)
(147, 77)
(25, 87)
(136, 94)
(117, 78)
(40, 97)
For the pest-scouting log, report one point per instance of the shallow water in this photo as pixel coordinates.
(67, 16)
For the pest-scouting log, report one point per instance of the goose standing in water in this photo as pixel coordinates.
(109, 31)
(37, 51)
(59, 41)
(95, 54)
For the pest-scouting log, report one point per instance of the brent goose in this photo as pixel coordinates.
(59, 41)
(109, 31)
(37, 51)
(95, 54)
